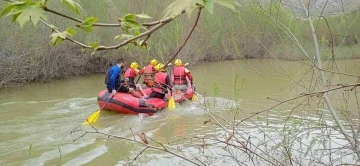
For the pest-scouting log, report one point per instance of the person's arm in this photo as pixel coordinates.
(188, 74)
(140, 72)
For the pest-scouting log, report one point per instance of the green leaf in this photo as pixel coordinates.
(177, 7)
(55, 39)
(23, 11)
(95, 45)
(143, 16)
(87, 25)
(209, 5)
(227, 3)
(7, 9)
(35, 13)
(72, 5)
(123, 36)
(130, 16)
(71, 31)
(133, 24)
(87, 28)
(124, 27)
(15, 16)
(58, 37)
(12, 5)
(90, 21)
(137, 32)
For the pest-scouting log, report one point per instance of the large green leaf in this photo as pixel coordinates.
(227, 3)
(177, 7)
(209, 5)
(72, 5)
(35, 13)
(23, 11)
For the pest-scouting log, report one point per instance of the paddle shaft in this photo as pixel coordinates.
(138, 79)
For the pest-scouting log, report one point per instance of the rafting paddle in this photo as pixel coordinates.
(93, 117)
(171, 104)
(193, 98)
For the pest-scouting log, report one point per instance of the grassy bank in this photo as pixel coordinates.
(26, 56)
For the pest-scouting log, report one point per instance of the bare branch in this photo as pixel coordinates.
(187, 38)
(138, 155)
(146, 33)
(341, 86)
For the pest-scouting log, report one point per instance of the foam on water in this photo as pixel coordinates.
(53, 154)
(88, 156)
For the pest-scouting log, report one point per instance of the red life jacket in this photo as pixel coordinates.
(160, 82)
(131, 74)
(149, 72)
(179, 75)
(148, 75)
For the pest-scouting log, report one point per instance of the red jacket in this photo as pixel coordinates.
(180, 74)
(161, 82)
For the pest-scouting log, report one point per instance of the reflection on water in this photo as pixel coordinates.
(38, 119)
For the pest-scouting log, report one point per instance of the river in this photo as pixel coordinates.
(38, 119)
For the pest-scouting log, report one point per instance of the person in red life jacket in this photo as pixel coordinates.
(131, 74)
(180, 73)
(149, 72)
(161, 82)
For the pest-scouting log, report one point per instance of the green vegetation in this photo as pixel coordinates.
(26, 54)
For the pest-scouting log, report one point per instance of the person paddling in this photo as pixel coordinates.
(161, 82)
(131, 74)
(149, 72)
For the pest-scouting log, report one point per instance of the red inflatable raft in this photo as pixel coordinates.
(127, 104)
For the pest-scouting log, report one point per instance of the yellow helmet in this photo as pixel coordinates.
(154, 62)
(160, 67)
(134, 65)
(178, 62)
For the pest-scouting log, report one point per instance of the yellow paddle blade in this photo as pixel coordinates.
(171, 104)
(194, 98)
(92, 118)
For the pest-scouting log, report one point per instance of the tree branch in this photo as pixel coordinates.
(138, 155)
(187, 38)
(148, 32)
(96, 24)
(301, 95)
(135, 141)
(67, 38)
